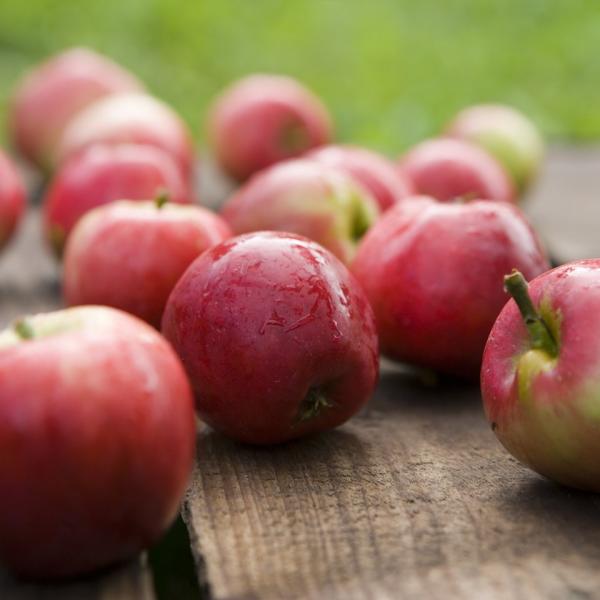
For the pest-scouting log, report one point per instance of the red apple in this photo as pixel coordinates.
(505, 133)
(447, 169)
(49, 95)
(276, 335)
(375, 172)
(102, 174)
(97, 436)
(263, 119)
(304, 197)
(433, 273)
(129, 255)
(540, 378)
(130, 118)
(12, 199)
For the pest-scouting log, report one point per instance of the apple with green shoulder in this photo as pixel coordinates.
(277, 337)
(129, 255)
(12, 199)
(540, 378)
(263, 119)
(308, 198)
(505, 133)
(97, 436)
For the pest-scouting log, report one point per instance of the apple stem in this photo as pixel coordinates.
(161, 199)
(24, 330)
(539, 332)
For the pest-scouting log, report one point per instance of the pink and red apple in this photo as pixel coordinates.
(447, 169)
(129, 255)
(102, 174)
(308, 198)
(263, 119)
(375, 172)
(277, 337)
(540, 378)
(505, 133)
(130, 118)
(12, 199)
(97, 436)
(433, 274)
(50, 95)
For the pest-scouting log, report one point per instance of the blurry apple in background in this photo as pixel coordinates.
(433, 273)
(97, 431)
(308, 198)
(263, 119)
(277, 337)
(12, 198)
(447, 169)
(505, 133)
(50, 94)
(540, 378)
(102, 174)
(375, 172)
(129, 255)
(134, 118)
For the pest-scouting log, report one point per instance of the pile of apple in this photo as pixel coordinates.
(272, 313)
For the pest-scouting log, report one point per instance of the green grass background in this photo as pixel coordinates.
(392, 71)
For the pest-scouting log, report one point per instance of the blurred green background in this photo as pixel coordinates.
(392, 71)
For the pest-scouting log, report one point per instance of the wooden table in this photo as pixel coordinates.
(412, 499)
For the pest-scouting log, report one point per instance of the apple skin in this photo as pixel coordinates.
(12, 199)
(505, 133)
(130, 255)
(130, 118)
(277, 337)
(101, 174)
(50, 94)
(305, 197)
(433, 273)
(263, 119)
(447, 169)
(545, 410)
(375, 172)
(97, 417)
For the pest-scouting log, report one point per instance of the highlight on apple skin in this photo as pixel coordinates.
(505, 133)
(447, 169)
(12, 199)
(130, 255)
(277, 337)
(97, 417)
(308, 198)
(130, 118)
(260, 120)
(540, 378)
(104, 173)
(374, 171)
(53, 92)
(433, 274)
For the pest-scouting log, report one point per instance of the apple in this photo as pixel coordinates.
(433, 273)
(104, 173)
(97, 434)
(263, 119)
(540, 378)
(277, 337)
(12, 199)
(375, 172)
(129, 255)
(49, 95)
(130, 118)
(447, 169)
(304, 197)
(505, 133)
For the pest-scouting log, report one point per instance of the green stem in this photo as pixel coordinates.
(24, 330)
(539, 332)
(161, 199)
